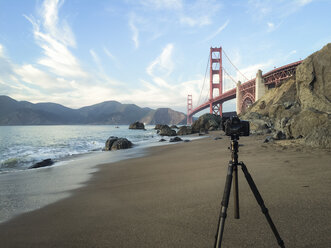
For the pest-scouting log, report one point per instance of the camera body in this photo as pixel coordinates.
(234, 126)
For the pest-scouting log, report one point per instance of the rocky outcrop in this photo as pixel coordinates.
(115, 143)
(207, 122)
(165, 130)
(184, 130)
(44, 163)
(300, 107)
(137, 125)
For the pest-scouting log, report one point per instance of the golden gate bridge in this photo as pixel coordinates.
(245, 93)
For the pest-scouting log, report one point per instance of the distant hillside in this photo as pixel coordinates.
(164, 116)
(14, 112)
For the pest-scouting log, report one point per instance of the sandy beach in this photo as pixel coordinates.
(172, 197)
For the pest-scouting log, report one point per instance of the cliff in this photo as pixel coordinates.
(301, 107)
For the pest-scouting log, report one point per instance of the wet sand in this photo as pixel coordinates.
(172, 197)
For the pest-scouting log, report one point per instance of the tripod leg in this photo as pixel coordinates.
(224, 204)
(235, 192)
(260, 201)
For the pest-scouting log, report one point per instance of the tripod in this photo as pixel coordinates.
(233, 174)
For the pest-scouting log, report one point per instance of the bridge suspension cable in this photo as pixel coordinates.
(235, 66)
(229, 75)
(204, 80)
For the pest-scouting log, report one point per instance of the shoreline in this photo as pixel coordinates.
(47, 185)
(171, 198)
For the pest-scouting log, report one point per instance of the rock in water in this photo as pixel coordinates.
(44, 163)
(115, 143)
(137, 125)
(121, 143)
(110, 141)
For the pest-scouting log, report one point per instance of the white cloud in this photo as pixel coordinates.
(271, 26)
(199, 13)
(163, 64)
(278, 10)
(192, 22)
(1, 51)
(55, 39)
(163, 4)
(34, 76)
(219, 30)
(109, 54)
(134, 29)
(95, 58)
(303, 2)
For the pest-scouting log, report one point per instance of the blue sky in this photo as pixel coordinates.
(149, 52)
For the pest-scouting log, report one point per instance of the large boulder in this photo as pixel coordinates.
(167, 131)
(121, 143)
(137, 125)
(115, 143)
(184, 130)
(207, 122)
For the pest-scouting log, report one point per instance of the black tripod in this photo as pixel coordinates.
(233, 173)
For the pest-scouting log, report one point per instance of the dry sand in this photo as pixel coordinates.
(171, 198)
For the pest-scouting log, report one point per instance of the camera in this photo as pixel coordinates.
(234, 126)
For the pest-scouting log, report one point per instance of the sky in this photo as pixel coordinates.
(152, 53)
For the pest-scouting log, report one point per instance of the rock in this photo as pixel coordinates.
(44, 163)
(187, 140)
(162, 140)
(207, 122)
(175, 139)
(184, 130)
(313, 81)
(137, 125)
(159, 126)
(121, 143)
(279, 135)
(167, 131)
(110, 142)
(288, 105)
(268, 139)
(115, 143)
(174, 127)
(217, 138)
(284, 121)
(204, 131)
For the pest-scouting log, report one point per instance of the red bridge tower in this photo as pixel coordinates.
(215, 83)
(189, 109)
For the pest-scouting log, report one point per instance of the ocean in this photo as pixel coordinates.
(23, 146)
(76, 150)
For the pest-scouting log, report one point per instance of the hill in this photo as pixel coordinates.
(301, 107)
(14, 112)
